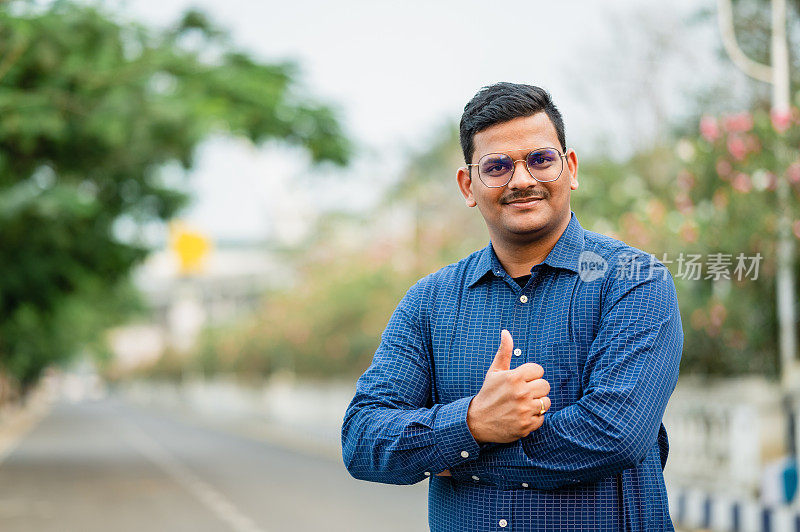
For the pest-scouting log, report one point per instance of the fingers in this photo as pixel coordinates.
(543, 403)
(539, 388)
(537, 419)
(502, 360)
(530, 371)
(535, 390)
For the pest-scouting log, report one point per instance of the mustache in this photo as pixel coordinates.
(526, 195)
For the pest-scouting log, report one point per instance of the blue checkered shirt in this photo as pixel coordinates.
(601, 318)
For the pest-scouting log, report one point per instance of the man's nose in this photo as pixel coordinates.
(522, 178)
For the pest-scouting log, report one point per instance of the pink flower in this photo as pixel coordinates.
(685, 180)
(683, 202)
(723, 168)
(688, 232)
(742, 183)
(796, 228)
(752, 144)
(781, 119)
(772, 181)
(709, 128)
(717, 314)
(737, 147)
(738, 123)
(793, 172)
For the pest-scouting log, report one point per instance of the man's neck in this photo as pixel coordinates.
(519, 257)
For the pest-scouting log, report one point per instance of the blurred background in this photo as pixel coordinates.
(209, 209)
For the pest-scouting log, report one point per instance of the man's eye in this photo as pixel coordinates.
(495, 167)
(540, 161)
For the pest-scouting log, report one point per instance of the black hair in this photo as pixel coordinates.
(502, 102)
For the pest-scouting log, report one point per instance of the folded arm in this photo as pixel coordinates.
(633, 367)
(391, 432)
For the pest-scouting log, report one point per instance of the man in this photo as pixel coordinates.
(559, 428)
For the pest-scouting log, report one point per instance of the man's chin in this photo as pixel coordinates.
(530, 225)
(530, 230)
(527, 231)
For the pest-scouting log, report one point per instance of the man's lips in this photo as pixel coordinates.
(524, 202)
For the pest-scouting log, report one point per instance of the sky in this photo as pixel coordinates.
(397, 71)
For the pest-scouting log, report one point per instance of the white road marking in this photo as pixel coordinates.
(204, 492)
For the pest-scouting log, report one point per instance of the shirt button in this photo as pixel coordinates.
(523, 298)
(475, 478)
(517, 351)
(427, 473)
(524, 484)
(464, 454)
(503, 523)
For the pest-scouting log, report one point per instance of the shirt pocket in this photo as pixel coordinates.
(563, 368)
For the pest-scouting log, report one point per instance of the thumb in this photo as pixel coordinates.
(502, 360)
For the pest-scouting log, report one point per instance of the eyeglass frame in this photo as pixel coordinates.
(514, 166)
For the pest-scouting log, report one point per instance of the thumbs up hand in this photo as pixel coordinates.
(509, 403)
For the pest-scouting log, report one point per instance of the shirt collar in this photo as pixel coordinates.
(563, 255)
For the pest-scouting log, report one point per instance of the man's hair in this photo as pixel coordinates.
(502, 102)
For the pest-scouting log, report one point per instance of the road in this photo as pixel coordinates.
(111, 466)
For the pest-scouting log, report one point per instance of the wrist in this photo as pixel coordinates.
(473, 424)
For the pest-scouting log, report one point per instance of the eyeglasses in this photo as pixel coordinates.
(495, 170)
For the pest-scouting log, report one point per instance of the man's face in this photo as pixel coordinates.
(507, 217)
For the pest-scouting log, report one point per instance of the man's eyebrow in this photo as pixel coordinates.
(521, 151)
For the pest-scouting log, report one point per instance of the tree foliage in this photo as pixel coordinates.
(707, 196)
(91, 111)
(727, 197)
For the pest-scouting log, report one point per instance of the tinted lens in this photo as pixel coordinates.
(544, 164)
(495, 168)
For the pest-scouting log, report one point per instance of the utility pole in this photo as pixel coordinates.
(777, 73)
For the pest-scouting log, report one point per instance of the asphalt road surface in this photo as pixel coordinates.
(111, 466)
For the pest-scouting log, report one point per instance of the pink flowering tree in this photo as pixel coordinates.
(725, 208)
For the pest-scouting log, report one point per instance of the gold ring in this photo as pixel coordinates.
(541, 401)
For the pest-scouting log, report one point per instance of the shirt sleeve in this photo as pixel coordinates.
(633, 364)
(392, 433)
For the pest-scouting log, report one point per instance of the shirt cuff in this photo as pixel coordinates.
(454, 441)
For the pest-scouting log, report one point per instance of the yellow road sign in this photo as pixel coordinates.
(191, 246)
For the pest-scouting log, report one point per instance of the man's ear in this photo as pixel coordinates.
(572, 167)
(465, 185)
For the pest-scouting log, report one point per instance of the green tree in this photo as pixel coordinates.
(91, 111)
